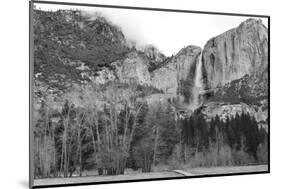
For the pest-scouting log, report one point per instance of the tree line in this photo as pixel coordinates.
(236, 140)
(110, 129)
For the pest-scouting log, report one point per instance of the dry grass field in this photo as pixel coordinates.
(153, 175)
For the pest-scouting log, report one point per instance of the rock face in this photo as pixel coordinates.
(154, 55)
(250, 90)
(168, 77)
(134, 68)
(179, 68)
(224, 110)
(236, 72)
(239, 51)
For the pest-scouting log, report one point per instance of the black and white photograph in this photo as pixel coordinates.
(126, 94)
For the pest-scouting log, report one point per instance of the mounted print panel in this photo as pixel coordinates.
(122, 94)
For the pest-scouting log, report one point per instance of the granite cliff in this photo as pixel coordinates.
(235, 53)
(235, 66)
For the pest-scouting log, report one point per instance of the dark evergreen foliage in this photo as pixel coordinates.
(199, 134)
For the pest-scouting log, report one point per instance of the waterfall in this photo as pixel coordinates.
(197, 85)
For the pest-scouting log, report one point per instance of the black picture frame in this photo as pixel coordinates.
(31, 64)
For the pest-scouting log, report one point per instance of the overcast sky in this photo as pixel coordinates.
(168, 31)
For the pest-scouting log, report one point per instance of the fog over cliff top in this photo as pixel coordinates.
(168, 31)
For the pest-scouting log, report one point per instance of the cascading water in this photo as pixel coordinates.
(198, 85)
